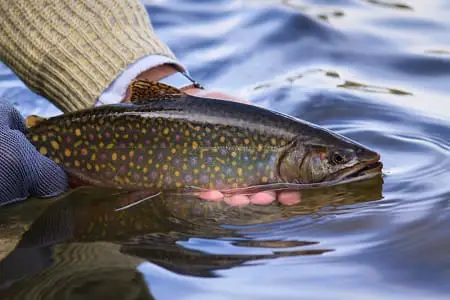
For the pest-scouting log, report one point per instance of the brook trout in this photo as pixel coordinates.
(168, 140)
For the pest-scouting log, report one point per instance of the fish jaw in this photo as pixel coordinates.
(366, 168)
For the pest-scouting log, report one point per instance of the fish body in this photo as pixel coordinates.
(174, 141)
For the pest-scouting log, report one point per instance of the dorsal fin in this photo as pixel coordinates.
(142, 91)
(33, 120)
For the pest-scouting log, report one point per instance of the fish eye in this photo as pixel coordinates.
(338, 157)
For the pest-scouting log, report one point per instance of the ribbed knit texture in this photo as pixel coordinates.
(69, 51)
(24, 171)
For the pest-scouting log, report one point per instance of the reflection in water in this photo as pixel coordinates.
(390, 4)
(364, 73)
(80, 244)
(331, 77)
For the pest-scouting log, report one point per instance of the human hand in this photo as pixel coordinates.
(24, 171)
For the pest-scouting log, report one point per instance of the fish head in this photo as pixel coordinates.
(329, 158)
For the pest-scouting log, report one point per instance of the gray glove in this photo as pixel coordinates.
(24, 171)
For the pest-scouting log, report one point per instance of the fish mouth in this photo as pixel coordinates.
(363, 170)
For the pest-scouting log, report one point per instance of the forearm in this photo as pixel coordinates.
(70, 51)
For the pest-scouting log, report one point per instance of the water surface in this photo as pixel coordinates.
(377, 71)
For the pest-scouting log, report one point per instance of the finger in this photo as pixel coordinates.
(47, 178)
(289, 198)
(238, 200)
(11, 117)
(263, 198)
(211, 195)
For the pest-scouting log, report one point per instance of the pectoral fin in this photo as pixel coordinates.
(134, 198)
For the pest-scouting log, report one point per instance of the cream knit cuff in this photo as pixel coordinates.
(70, 51)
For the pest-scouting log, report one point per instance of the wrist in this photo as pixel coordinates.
(159, 73)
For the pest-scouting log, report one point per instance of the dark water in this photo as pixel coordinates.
(376, 71)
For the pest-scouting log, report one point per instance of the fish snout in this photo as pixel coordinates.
(367, 156)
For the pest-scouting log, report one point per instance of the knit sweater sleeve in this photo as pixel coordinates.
(69, 51)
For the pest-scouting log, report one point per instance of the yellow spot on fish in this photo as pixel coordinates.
(194, 145)
(239, 171)
(43, 150)
(67, 152)
(114, 156)
(77, 132)
(55, 145)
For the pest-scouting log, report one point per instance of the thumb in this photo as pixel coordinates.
(47, 178)
(10, 117)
